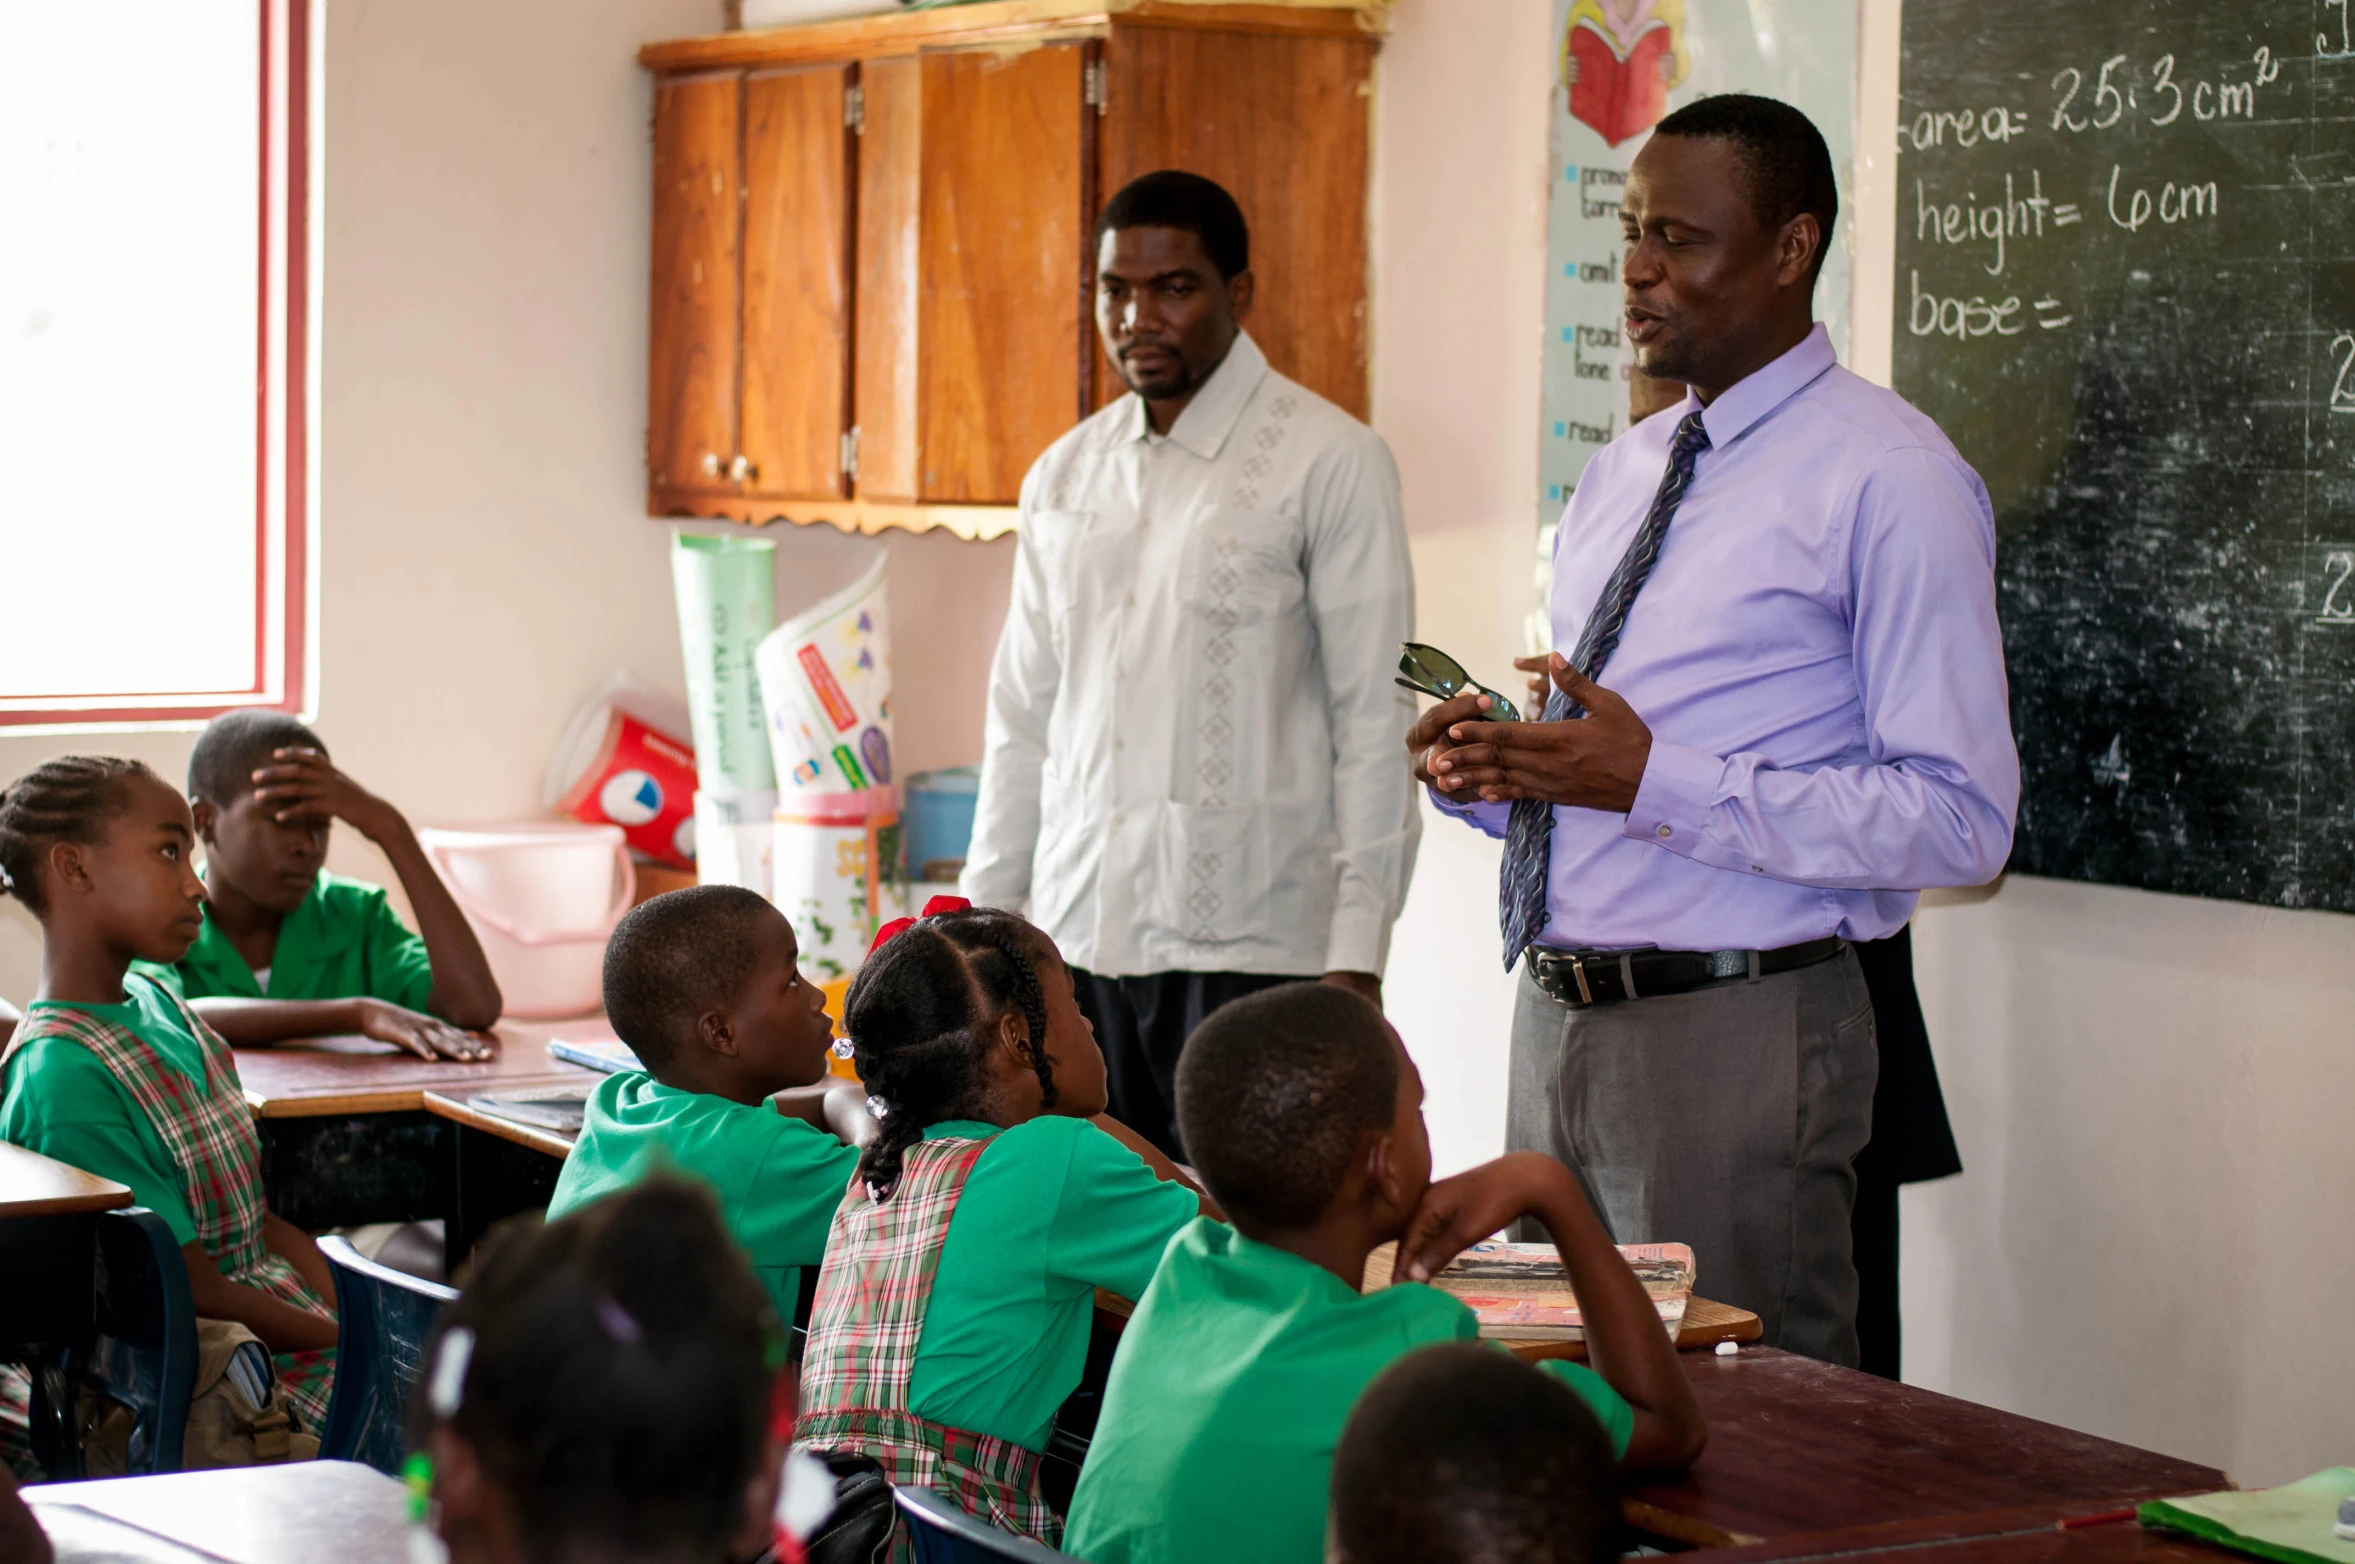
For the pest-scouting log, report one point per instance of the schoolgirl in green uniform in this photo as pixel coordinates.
(111, 1071)
(954, 1306)
(288, 950)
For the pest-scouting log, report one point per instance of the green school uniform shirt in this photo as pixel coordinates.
(1229, 1392)
(342, 941)
(63, 1103)
(1053, 1209)
(778, 1180)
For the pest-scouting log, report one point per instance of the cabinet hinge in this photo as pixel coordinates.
(850, 453)
(854, 108)
(1092, 86)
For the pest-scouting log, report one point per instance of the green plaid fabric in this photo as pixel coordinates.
(864, 1327)
(209, 1131)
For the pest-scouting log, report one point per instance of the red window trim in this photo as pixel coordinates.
(281, 442)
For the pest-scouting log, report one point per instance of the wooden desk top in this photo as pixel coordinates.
(307, 1512)
(354, 1075)
(1799, 1446)
(34, 1185)
(2016, 1536)
(451, 1103)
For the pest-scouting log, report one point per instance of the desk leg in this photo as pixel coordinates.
(49, 1305)
(493, 1179)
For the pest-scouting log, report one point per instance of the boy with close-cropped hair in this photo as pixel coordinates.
(705, 985)
(1235, 1375)
(290, 951)
(1460, 1455)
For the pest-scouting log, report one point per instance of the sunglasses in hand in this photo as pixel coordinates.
(1429, 671)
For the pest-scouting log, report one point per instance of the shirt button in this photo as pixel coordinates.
(1132, 600)
(1120, 743)
(1665, 833)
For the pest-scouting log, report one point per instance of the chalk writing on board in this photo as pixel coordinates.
(2126, 290)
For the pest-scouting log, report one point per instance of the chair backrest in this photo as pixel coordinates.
(383, 1320)
(144, 1355)
(945, 1534)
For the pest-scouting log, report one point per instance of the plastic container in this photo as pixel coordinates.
(836, 879)
(642, 780)
(543, 898)
(938, 821)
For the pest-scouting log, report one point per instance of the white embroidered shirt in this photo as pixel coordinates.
(1193, 759)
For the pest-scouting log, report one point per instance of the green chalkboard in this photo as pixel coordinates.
(2126, 290)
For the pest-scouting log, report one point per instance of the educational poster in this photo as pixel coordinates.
(1619, 66)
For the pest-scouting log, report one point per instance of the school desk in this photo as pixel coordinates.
(2033, 1534)
(346, 1137)
(500, 1167)
(49, 1253)
(1797, 1446)
(306, 1512)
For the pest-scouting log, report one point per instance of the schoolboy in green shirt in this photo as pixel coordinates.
(705, 985)
(1240, 1365)
(290, 951)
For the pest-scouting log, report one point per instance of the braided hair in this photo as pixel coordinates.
(923, 1014)
(69, 799)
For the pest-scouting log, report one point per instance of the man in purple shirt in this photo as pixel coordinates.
(1785, 588)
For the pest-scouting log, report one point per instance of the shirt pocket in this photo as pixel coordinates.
(1210, 883)
(1241, 566)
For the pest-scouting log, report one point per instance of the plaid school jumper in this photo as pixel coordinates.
(864, 1327)
(209, 1132)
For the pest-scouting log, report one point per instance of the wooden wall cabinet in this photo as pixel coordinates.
(873, 269)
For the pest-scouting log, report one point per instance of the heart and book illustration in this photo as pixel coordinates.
(1618, 61)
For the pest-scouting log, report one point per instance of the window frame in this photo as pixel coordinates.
(283, 390)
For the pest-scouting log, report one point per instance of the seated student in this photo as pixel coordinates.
(705, 985)
(113, 1073)
(1305, 1118)
(1457, 1454)
(954, 1308)
(603, 1390)
(288, 950)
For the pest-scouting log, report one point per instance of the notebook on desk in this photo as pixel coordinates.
(609, 1054)
(1520, 1292)
(558, 1108)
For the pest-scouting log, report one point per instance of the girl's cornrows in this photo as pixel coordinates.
(69, 799)
(922, 1015)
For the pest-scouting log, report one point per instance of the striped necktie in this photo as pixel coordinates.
(1521, 894)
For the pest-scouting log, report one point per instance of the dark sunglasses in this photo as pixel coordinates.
(1429, 671)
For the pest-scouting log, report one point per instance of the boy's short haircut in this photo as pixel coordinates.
(236, 744)
(1274, 1092)
(1462, 1454)
(675, 956)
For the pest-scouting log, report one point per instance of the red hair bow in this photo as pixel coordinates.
(898, 926)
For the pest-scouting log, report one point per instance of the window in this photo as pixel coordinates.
(154, 352)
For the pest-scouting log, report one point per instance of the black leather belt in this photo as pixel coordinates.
(1579, 978)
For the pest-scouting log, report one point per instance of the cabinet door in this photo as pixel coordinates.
(1283, 123)
(797, 164)
(1002, 238)
(692, 357)
(890, 289)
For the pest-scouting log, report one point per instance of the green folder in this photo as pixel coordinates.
(2292, 1523)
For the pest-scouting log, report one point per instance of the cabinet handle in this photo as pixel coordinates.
(711, 464)
(741, 469)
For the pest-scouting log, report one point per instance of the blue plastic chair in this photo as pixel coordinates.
(384, 1318)
(144, 1354)
(945, 1534)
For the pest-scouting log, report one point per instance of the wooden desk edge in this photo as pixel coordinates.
(459, 1111)
(1926, 1531)
(65, 1189)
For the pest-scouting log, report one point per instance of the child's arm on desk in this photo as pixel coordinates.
(257, 1023)
(282, 1326)
(297, 782)
(1158, 1160)
(1624, 1339)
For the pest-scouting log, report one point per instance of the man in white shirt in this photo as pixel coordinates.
(1190, 778)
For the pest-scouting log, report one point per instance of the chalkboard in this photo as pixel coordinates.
(2126, 290)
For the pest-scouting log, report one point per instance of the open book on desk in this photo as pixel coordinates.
(1521, 1292)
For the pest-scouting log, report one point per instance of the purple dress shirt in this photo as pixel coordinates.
(1817, 656)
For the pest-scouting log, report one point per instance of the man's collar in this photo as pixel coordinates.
(1760, 393)
(1208, 419)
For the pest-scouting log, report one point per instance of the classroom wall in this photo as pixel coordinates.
(485, 557)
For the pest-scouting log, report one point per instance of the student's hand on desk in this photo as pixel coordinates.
(425, 1036)
(302, 782)
(1458, 1212)
(1592, 762)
